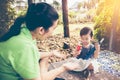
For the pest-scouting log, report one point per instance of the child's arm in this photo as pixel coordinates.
(97, 50)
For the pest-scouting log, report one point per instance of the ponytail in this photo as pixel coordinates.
(38, 15)
(14, 29)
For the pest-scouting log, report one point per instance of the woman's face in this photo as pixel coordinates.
(50, 30)
(86, 39)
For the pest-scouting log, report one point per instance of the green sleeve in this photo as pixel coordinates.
(25, 62)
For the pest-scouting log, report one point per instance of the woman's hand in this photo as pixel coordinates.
(57, 54)
(70, 66)
(52, 53)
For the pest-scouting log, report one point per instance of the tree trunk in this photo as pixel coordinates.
(65, 18)
(112, 43)
(29, 2)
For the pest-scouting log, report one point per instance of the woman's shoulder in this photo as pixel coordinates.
(16, 42)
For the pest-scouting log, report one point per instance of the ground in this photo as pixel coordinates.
(106, 71)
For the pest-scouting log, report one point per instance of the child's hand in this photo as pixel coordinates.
(76, 53)
(97, 50)
(97, 46)
(77, 50)
(79, 47)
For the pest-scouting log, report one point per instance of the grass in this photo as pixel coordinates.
(73, 28)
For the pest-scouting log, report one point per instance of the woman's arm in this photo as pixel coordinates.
(50, 75)
(52, 53)
(45, 54)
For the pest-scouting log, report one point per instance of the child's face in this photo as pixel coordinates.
(86, 39)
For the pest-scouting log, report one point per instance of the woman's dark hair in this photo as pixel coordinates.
(85, 31)
(38, 15)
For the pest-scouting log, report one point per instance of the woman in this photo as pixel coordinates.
(19, 56)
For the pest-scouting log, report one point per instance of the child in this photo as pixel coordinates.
(88, 50)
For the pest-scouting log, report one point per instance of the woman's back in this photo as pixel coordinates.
(16, 55)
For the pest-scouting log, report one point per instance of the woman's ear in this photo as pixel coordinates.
(41, 30)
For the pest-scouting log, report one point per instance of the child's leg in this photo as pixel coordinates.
(59, 79)
(90, 67)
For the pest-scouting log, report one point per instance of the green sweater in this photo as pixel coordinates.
(19, 57)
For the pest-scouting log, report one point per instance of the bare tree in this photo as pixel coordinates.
(65, 21)
(65, 18)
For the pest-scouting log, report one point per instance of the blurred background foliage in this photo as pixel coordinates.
(7, 14)
(98, 12)
(103, 22)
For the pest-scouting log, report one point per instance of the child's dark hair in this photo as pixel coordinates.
(38, 15)
(85, 31)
